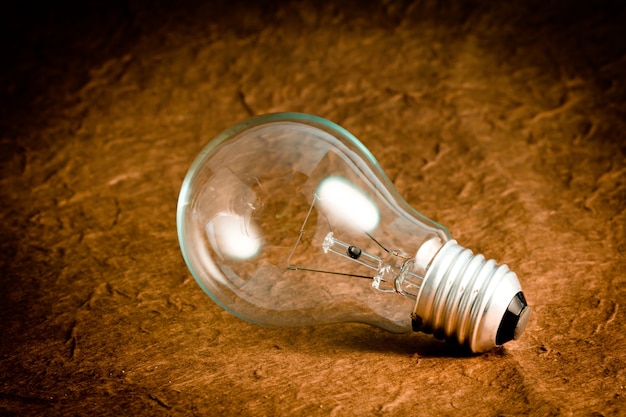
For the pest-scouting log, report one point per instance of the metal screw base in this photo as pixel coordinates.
(466, 299)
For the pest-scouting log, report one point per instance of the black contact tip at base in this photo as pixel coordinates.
(514, 320)
(417, 323)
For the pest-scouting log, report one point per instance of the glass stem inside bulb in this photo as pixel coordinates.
(350, 252)
(393, 272)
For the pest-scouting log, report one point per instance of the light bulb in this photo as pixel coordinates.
(287, 220)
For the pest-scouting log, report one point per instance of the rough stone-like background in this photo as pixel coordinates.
(507, 123)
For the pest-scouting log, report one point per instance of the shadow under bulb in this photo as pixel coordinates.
(287, 220)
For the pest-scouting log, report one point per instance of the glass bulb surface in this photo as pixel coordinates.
(288, 220)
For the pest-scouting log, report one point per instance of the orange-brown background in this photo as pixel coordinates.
(504, 122)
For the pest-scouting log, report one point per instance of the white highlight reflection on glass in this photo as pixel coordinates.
(233, 237)
(345, 200)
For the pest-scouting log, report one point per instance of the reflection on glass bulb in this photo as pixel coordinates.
(340, 196)
(232, 238)
(287, 219)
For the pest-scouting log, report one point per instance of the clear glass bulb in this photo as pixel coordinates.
(288, 220)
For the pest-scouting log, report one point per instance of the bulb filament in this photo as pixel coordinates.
(393, 272)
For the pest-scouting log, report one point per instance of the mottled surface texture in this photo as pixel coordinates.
(504, 122)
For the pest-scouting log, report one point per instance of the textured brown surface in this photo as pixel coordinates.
(505, 123)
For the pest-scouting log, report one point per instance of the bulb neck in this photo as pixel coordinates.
(470, 300)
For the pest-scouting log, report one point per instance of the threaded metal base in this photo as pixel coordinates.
(464, 298)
